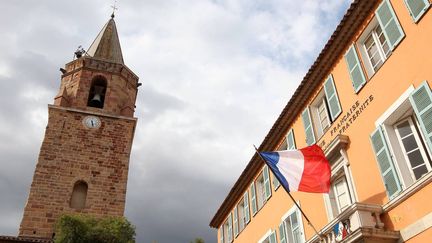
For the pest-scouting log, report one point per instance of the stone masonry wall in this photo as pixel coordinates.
(71, 152)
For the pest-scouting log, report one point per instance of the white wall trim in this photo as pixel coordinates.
(394, 106)
(416, 228)
(266, 235)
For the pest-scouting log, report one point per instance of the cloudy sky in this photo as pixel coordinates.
(215, 73)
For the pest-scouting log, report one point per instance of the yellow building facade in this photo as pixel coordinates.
(367, 101)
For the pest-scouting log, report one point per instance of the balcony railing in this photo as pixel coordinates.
(359, 222)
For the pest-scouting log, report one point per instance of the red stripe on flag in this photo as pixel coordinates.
(316, 173)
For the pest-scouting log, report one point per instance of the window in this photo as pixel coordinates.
(263, 191)
(291, 229)
(375, 45)
(243, 213)
(269, 237)
(320, 115)
(341, 194)
(413, 150)
(79, 195)
(417, 8)
(226, 235)
(402, 141)
(97, 92)
(324, 110)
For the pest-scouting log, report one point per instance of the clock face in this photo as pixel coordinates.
(92, 122)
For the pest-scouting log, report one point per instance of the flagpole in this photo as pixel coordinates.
(298, 206)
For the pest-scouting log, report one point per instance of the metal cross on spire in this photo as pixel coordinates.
(114, 7)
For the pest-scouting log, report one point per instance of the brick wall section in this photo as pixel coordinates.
(71, 152)
(121, 89)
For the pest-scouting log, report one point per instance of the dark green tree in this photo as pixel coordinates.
(198, 240)
(87, 229)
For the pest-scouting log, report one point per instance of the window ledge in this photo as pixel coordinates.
(338, 143)
(425, 180)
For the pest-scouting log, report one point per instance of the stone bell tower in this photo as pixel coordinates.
(84, 158)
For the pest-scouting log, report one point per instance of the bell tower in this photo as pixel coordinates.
(84, 158)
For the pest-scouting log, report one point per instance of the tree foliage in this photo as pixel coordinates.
(87, 229)
(198, 240)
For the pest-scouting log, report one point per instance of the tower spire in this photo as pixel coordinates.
(106, 46)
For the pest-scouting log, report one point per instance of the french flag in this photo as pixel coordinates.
(306, 169)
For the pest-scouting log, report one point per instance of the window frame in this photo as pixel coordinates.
(420, 146)
(417, 18)
(387, 120)
(284, 218)
(339, 169)
(361, 46)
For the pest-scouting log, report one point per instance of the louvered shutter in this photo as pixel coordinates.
(307, 123)
(389, 23)
(273, 237)
(253, 198)
(267, 182)
(276, 182)
(417, 8)
(355, 70)
(421, 100)
(246, 207)
(235, 222)
(384, 159)
(290, 140)
(332, 98)
(282, 234)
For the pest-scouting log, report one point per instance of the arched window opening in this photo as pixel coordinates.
(79, 195)
(96, 96)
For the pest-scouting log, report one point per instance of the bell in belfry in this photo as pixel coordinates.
(96, 101)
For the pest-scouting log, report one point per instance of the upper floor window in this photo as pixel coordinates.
(324, 110)
(376, 48)
(417, 8)
(97, 92)
(79, 195)
(242, 212)
(269, 237)
(226, 234)
(341, 193)
(291, 229)
(378, 40)
(402, 143)
(260, 190)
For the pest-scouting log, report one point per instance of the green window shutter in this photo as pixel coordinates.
(417, 8)
(355, 70)
(267, 182)
(273, 237)
(253, 198)
(290, 140)
(221, 234)
(332, 98)
(246, 207)
(389, 23)
(282, 234)
(276, 182)
(421, 100)
(388, 172)
(307, 123)
(235, 222)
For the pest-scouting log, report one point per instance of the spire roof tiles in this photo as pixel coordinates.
(106, 46)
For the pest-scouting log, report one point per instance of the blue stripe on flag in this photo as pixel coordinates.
(272, 158)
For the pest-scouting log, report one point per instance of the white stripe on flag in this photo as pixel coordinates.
(291, 166)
